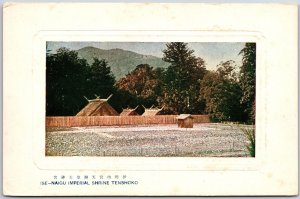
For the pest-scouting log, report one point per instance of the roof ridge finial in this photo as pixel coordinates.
(86, 98)
(107, 98)
(136, 107)
(162, 107)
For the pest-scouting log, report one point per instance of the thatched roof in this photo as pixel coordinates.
(129, 111)
(98, 107)
(152, 111)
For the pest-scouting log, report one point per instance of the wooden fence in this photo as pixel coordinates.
(67, 121)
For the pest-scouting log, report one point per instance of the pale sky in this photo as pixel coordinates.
(212, 52)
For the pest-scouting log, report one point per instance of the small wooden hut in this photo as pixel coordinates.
(98, 107)
(152, 111)
(185, 121)
(129, 112)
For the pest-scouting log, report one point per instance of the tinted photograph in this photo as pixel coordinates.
(150, 99)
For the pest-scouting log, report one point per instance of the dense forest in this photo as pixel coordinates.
(185, 86)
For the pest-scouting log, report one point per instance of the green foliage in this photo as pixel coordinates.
(247, 80)
(222, 93)
(65, 82)
(250, 133)
(100, 80)
(69, 78)
(182, 80)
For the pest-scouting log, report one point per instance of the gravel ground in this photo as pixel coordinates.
(204, 140)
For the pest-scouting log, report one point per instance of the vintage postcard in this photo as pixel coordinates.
(106, 108)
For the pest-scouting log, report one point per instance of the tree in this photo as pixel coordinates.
(182, 79)
(100, 79)
(70, 78)
(142, 84)
(247, 80)
(222, 93)
(65, 82)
